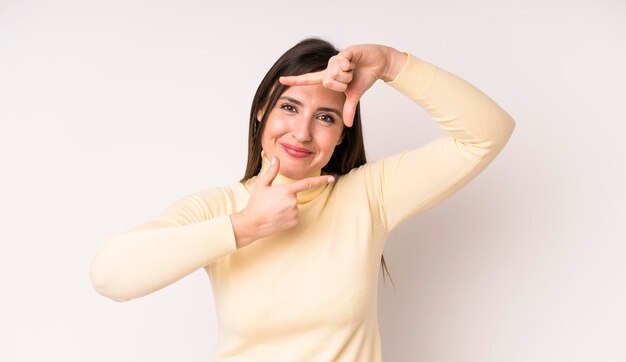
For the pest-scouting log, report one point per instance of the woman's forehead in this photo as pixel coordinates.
(314, 95)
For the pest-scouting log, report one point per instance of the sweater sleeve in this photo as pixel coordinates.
(407, 183)
(188, 235)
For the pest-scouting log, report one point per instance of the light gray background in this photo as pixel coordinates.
(111, 110)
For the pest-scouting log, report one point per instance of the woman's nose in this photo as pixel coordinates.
(301, 130)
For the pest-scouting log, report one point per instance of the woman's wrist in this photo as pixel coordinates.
(395, 62)
(242, 229)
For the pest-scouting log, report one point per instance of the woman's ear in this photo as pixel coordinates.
(343, 134)
(259, 114)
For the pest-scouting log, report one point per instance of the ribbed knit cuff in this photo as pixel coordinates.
(414, 78)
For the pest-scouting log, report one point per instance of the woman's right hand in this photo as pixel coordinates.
(271, 208)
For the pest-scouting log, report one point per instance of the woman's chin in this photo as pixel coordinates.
(293, 176)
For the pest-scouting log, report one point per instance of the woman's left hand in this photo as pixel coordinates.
(353, 71)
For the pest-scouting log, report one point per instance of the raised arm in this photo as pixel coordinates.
(187, 236)
(402, 185)
(476, 128)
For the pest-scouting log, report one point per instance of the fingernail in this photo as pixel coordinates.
(273, 160)
(331, 179)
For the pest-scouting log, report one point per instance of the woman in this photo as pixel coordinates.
(292, 250)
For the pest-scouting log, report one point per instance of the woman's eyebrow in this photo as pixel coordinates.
(325, 109)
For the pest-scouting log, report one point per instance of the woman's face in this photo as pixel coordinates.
(305, 117)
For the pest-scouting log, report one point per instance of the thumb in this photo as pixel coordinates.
(349, 108)
(272, 171)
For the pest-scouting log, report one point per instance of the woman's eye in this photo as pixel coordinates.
(327, 118)
(288, 107)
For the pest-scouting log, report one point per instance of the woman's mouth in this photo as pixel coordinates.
(295, 152)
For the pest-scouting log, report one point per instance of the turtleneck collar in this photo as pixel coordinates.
(303, 196)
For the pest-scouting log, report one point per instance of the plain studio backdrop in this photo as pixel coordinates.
(112, 110)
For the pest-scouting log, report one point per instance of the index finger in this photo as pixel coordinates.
(304, 79)
(309, 183)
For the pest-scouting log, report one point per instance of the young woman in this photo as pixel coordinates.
(293, 249)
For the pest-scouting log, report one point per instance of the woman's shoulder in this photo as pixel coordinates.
(223, 194)
(361, 173)
(207, 202)
(357, 183)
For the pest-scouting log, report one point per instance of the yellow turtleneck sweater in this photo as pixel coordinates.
(309, 293)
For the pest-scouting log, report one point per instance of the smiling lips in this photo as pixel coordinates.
(295, 151)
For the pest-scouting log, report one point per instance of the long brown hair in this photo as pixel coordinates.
(308, 55)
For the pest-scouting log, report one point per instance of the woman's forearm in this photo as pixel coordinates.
(138, 262)
(477, 122)
(476, 128)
